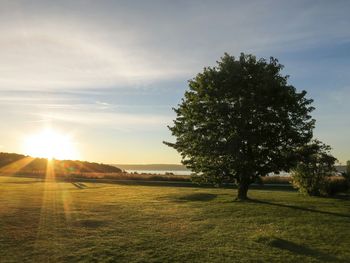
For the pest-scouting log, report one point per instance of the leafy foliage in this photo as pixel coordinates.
(313, 174)
(335, 185)
(241, 120)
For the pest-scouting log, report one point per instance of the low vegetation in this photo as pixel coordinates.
(11, 163)
(276, 179)
(131, 176)
(335, 185)
(144, 177)
(314, 174)
(97, 222)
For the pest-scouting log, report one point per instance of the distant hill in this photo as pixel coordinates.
(18, 163)
(152, 167)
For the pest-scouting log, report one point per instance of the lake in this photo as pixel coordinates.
(175, 172)
(185, 172)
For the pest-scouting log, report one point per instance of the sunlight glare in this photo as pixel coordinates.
(50, 144)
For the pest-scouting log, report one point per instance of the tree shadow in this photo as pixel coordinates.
(272, 187)
(89, 223)
(301, 250)
(79, 185)
(141, 182)
(342, 196)
(301, 208)
(203, 197)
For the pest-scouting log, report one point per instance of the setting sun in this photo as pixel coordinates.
(50, 144)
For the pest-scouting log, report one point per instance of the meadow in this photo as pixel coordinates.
(57, 221)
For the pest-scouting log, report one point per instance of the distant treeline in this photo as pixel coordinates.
(18, 163)
(153, 167)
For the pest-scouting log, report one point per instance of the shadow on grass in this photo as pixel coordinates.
(89, 223)
(342, 196)
(301, 250)
(166, 183)
(79, 185)
(138, 182)
(204, 197)
(273, 187)
(268, 187)
(300, 208)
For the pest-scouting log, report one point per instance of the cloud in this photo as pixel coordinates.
(44, 60)
(121, 121)
(55, 45)
(103, 105)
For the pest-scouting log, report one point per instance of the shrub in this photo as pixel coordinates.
(319, 185)
(307, 182)
(313, 172)
(334, 185)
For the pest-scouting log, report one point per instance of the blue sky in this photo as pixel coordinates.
(109, 72)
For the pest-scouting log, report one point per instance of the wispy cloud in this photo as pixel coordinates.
(122, 65)
(103, 105)
(88, 44)
(92, 114)
(107, 119)
(59, 60)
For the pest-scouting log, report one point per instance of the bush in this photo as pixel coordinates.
(319, 185)
(335, 184)
(307, 182)
(316, 167)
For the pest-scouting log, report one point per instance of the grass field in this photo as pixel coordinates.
(132, 176)
(97, 222)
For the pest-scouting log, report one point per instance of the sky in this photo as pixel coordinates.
(109, 72)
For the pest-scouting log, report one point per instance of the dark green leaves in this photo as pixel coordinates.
(241, 120)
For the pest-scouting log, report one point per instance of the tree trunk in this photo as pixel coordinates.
(242, 192)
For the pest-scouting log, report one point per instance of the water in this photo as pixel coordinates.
(185, 172)
(175, 172)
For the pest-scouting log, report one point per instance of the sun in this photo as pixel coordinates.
(50, 144)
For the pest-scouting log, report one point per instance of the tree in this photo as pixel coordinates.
(240, 120)
(314, 170)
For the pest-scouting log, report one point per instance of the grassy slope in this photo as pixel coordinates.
(107, 222)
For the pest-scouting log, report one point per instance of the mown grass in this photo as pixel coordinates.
(97, 222)
(138, 177)
(111, 176)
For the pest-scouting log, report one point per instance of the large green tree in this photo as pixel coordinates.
(241, 120)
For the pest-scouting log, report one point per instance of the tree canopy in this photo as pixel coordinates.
(241, 120)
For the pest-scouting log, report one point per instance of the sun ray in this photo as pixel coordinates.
(55, 215)
(51, 218)
(15, 167)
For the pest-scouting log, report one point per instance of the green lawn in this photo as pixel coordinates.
(96, 222)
